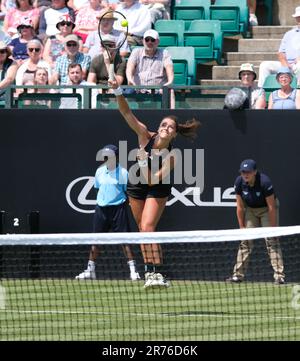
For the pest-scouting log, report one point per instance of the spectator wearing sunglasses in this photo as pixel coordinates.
(26, 71)
(50, 17)
(150, 65)
(72, 55)
(55, 44)
(18, 45)
(92, 45)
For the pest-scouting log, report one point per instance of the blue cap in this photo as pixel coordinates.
(108, 151)
(284, 70)
(248, 165)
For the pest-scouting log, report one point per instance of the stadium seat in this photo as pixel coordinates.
(271, 84)
(184, 64)
(233, 14)
(170, 32)
(189, 10)
(207, 39)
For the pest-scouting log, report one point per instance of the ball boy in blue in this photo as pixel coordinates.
(111, 209)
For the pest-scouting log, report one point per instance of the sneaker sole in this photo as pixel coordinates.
(167, 285)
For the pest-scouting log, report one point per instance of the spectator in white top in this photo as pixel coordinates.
(27, 70)
(139, 20)
(92, 44)
(159, 9)
(288, 54)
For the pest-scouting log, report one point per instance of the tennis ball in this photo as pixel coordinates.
(124, 23)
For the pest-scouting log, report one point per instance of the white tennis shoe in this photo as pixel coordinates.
(86, 275)
(155, 280)
(253, 20)
(134, 276)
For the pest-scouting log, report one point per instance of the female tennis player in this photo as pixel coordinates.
(148, 196)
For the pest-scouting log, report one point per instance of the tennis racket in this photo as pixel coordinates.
(124, 23)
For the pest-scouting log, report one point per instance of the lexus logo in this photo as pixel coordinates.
(80, 195)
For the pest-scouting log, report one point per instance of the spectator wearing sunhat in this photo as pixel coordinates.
(92, 44)
(86, 18)
(256, 206)
(18, 45)
(8, 68)
(50, 17)
(55, 44)
(15, 15)
(254, 98)
(288, 53)
(72, 55)
(247, 76)
(286, 97)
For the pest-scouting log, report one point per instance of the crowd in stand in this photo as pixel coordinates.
(56, 34)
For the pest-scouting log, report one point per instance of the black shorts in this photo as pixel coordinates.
(143, 191)
(111, 218)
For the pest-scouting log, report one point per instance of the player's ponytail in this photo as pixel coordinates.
(187, 129)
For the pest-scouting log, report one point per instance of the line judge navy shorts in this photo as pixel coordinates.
(111, 218)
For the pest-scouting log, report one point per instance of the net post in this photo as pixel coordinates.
(33, 219)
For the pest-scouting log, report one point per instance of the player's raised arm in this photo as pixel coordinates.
(140, 129)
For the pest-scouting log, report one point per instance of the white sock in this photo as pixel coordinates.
(131, 265)
(91, 266)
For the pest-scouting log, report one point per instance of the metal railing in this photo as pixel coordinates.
(146, 97)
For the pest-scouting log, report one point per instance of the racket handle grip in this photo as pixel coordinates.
(111, 72)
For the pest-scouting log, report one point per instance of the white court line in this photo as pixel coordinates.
(163, 314)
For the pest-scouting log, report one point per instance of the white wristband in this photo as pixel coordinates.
(118, 91)
(143, 163)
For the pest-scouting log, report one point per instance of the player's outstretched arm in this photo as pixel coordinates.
(139, 128)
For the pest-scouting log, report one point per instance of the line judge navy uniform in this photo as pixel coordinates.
(257, 215)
